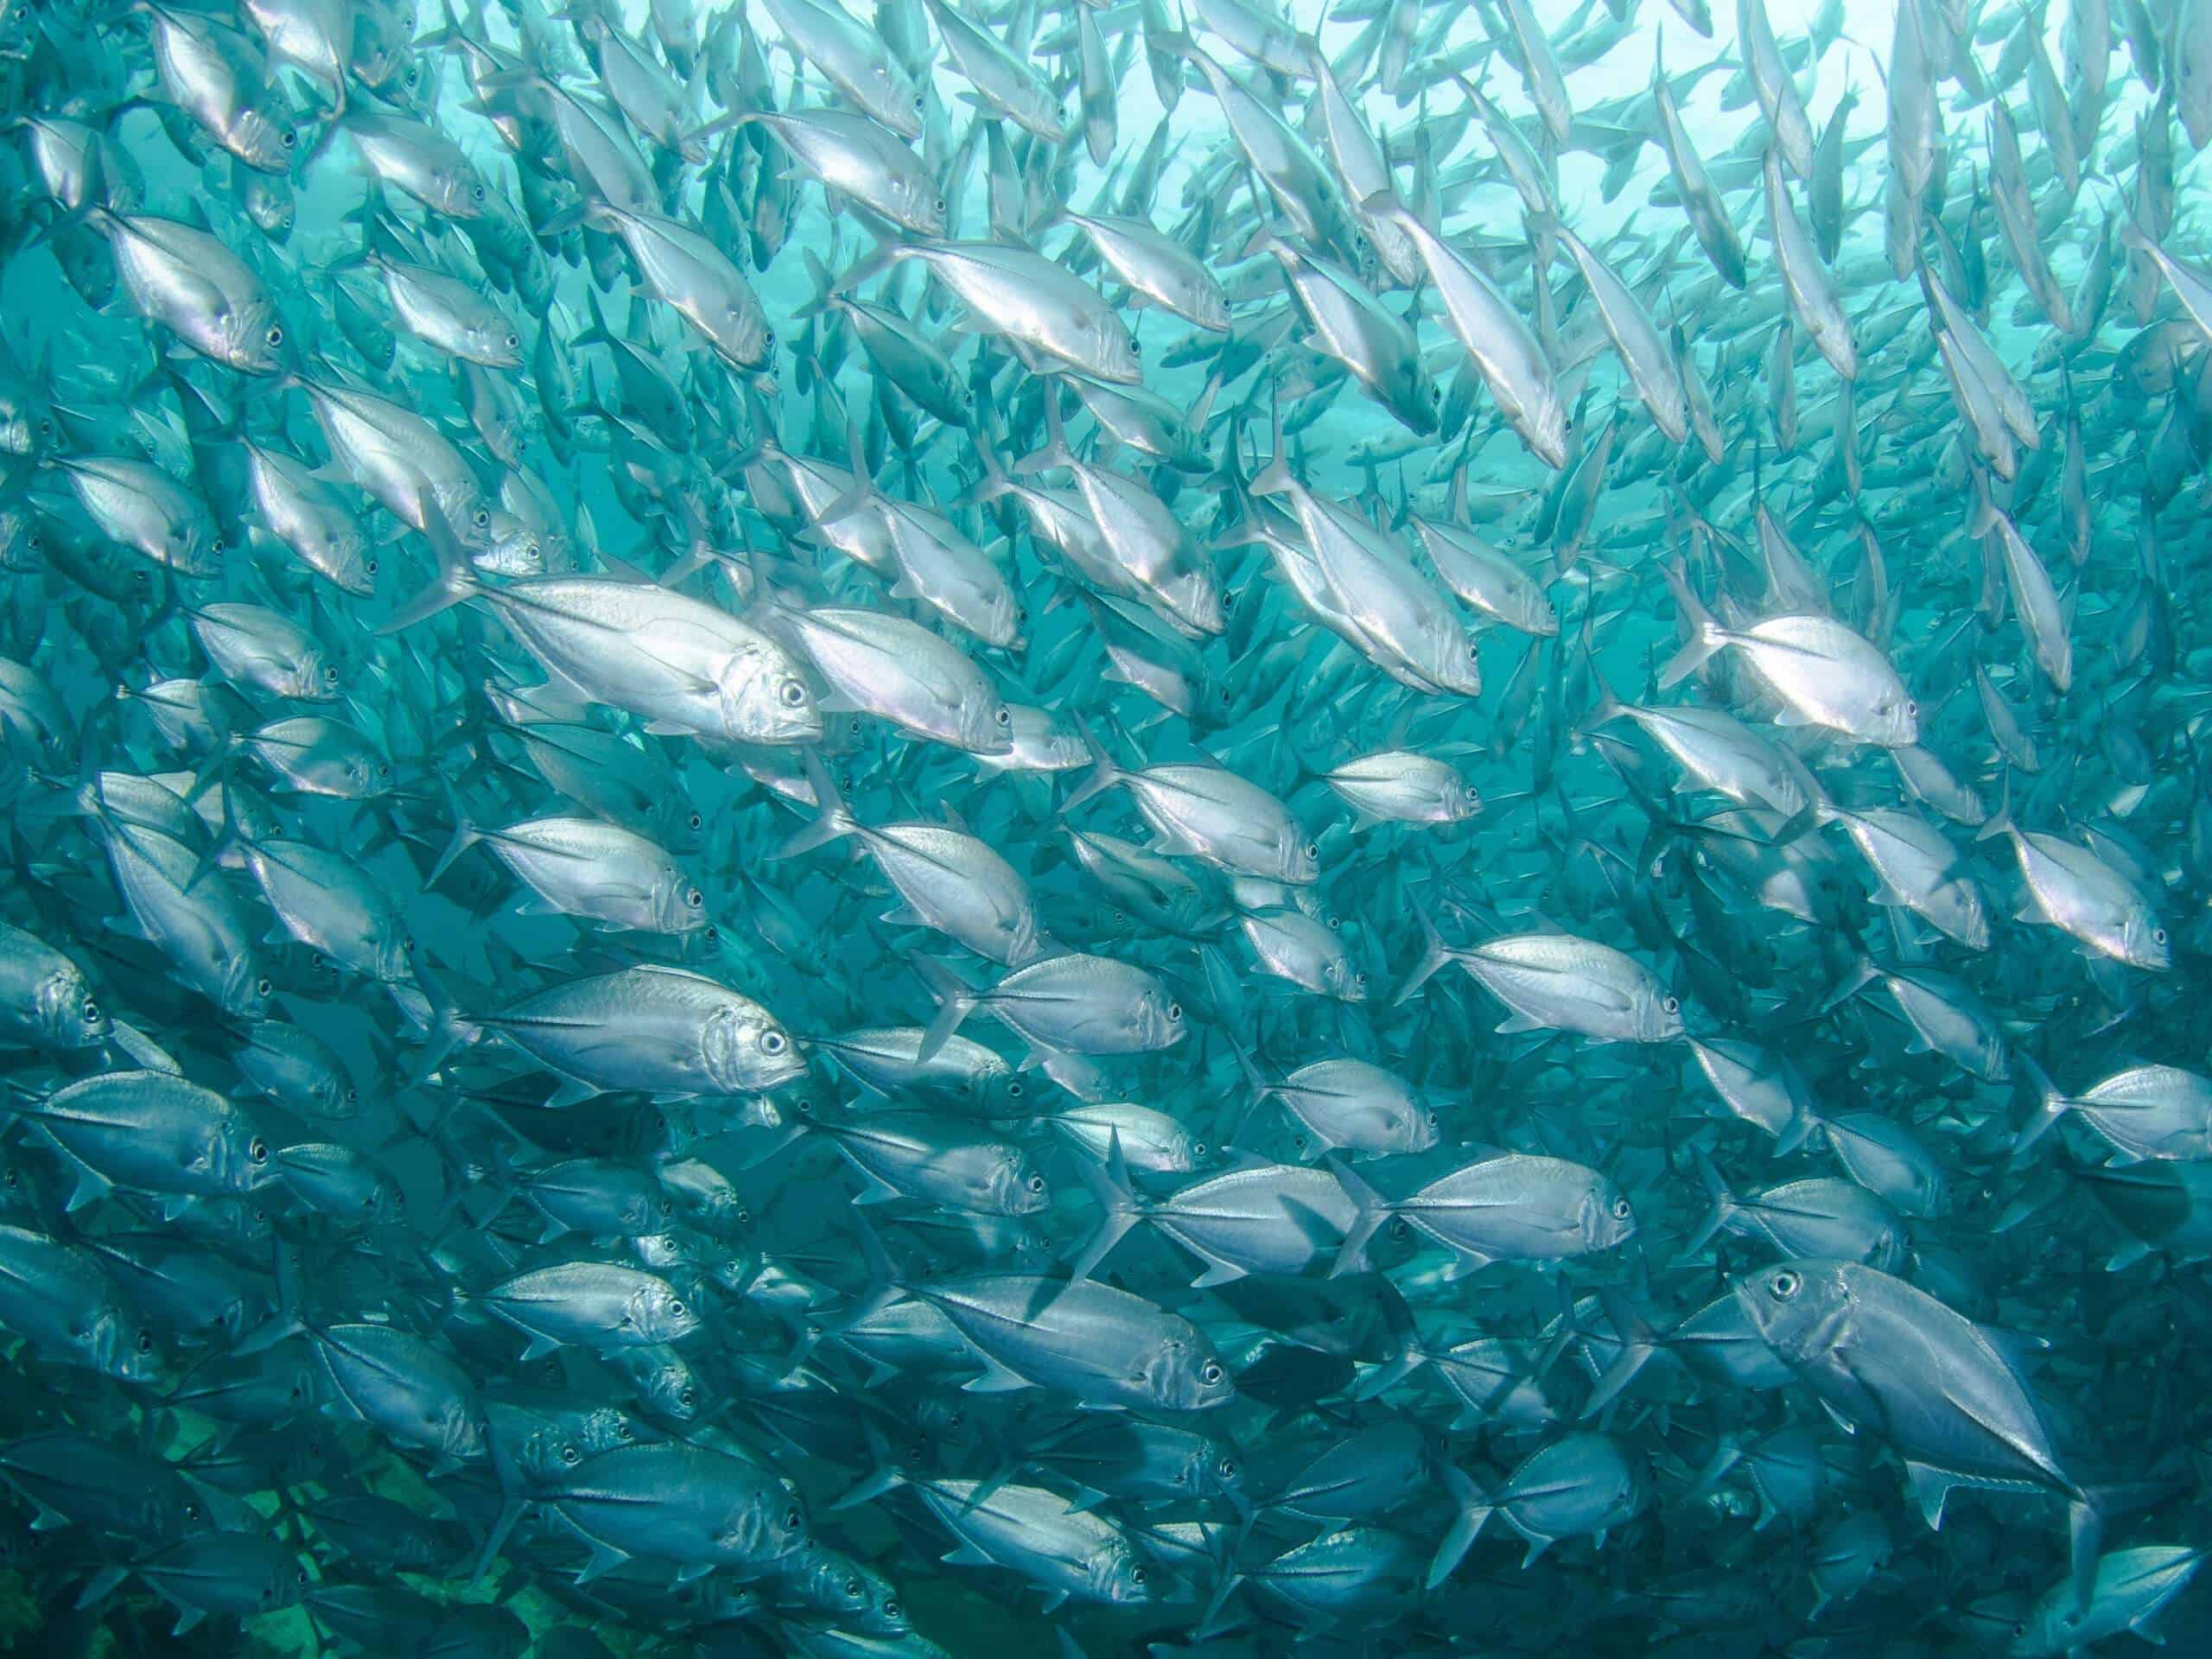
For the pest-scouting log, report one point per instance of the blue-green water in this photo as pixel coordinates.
(1115, 829)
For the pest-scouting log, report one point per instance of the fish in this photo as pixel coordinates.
(854, 830)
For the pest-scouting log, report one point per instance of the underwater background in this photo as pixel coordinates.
(1153, 827)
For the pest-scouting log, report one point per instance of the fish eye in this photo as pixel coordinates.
(1620, 1210)
(287, 138)
(1785, 1284)
(2159, 935)
(687, 1399)
(940, 204)
(1198, 1148)
(1174, 1014)
(258, 1151)
(623, 1429)
(1360, 980)
(1036, 1183)
(1435, 393)
(770, 339)
(774, 1042)
(533, 552)
(330, 672)
(695, 820)
(1014, 1089)
(1313, 850)
(513, 340)
(676, 1308)
(1210, 1372)
(46, 425)
(792, 1519)
(263, 986)
(919, 98)
(145, 1341)
(1136, 1577)
(570, 1456)
(275, 335)
(1006, 715)
(693, 897)
(891, 1610)
(91, 1012)
(477, 191)
(369, 565)
(853, 1587)
(792, 693)
(1670, 1004)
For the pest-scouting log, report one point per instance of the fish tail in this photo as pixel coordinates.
(1639, 1340)
(455, 582)
(1435, 954)
(465, 835)
(1374, 1211)
(834, 822)
(954, 1003)
(2051, 1105)
(1725, 1205)
(1705, 635)
(1117, 1201)
(1104, 773)
(1474, 1511)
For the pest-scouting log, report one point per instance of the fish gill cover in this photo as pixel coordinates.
(1136, 828)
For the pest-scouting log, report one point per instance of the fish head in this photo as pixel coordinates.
(124, 1346)
(1459, 664)
(496, 344)
(246, 989)
(1658, 1014)
(660, 1312)
(926, 207)
(999, 1092)
(1419, 1129)
(68, 1015)
(764, 699)
(1117, 356)
(1345, 979)
(1116, 1574)
(1160, 1020)
(746, 1051)
(263, 139)
(1184, 1374)
(2143, 942)
(679, 905)
(769, 1528)
(253, 340)
(664, 1382)
(1795, 1307)
(987, 725)
(1016, 1186)
(1606, 1217)
(1893, 720)
(1195, 599)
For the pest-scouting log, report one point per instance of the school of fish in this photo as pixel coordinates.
(1133, 826)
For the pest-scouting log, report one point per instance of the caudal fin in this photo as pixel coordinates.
(1104, 775)
(834, 822)
(456, 579)
(2051, 1105)
(1705, 635)
(1117, 1203)
(1473, 1512)
(1435, 954)
(954, 1003)
(1374, 1211)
